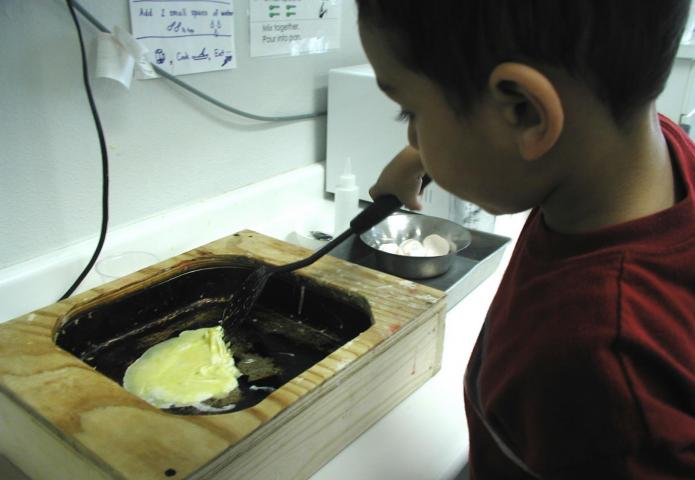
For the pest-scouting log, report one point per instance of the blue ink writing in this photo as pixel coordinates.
(159, 56)
(177, 27)
(202, 55)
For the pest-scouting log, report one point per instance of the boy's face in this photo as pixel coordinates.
(470, 157)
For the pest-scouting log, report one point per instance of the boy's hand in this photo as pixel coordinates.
(402, 177)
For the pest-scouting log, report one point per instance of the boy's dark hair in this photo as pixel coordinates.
(622, 50)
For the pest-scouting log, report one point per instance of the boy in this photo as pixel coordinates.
(585, 367)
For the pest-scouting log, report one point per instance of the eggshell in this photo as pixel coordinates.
(412, 248)
(389, 248)
(436, 245)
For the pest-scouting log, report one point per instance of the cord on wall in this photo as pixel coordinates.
(195, 91)
(75, 6)
(104, 159)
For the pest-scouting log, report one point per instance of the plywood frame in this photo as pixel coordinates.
(58, 415)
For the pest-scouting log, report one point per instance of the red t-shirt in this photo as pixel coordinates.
(585, 368)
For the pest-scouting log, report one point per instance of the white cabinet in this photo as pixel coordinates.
(677, 101)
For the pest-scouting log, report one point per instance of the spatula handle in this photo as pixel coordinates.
(381, 208)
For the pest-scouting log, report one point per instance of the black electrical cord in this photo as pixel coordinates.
(104, 159)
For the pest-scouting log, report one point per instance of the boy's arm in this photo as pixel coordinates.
(402, 177)
(582, 418)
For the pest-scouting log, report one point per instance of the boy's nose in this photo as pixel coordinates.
(412, 135)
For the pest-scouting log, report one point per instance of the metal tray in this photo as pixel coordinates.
(471, 267)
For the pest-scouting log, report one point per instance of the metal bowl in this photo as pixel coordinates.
(402, 226)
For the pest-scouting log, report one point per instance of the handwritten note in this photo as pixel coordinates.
(186, 36)
(294, 27)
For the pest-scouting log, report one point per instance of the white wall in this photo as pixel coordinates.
(167, 147)
(677, 101)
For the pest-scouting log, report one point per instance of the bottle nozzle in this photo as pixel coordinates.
(347, 170)
(347, 179)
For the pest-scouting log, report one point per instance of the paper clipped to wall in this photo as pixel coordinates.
(186, 36)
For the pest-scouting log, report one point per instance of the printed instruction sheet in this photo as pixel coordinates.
(186, 36)
(294, 27)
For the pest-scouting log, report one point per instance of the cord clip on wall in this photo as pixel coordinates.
(118, 54)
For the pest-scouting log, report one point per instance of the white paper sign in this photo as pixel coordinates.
(294, 27)
(186, 36)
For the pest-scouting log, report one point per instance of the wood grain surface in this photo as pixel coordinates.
(62, 419)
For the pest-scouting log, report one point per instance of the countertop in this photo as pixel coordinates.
(424, 437)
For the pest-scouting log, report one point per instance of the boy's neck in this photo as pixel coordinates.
(613, 176)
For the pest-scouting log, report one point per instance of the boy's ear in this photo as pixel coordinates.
(530, 104)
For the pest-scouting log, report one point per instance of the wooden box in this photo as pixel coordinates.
(61, 418)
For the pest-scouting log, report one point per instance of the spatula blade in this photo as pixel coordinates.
(244, 298)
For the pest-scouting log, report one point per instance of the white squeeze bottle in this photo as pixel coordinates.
(346, 200)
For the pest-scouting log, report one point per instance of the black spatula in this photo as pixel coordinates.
(245, 297)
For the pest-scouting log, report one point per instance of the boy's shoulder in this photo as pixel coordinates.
(666, 234)
(601, 346)
(630, 283)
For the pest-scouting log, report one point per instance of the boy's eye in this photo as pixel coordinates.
(405, 116)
